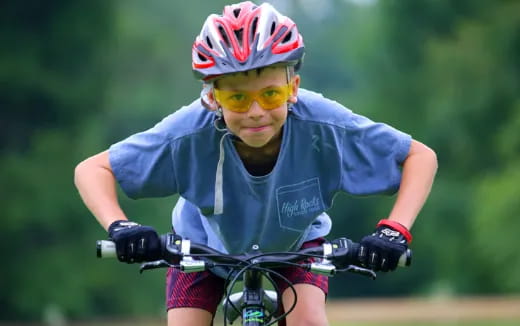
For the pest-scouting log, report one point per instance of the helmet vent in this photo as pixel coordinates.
(287, 37)
(273, 26)
(253, 27)
(236, 12)
(209, 42)
(223, 34)
(201, 57)
(238, 35)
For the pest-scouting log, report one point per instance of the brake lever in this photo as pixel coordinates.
(360, 270)
(153, 265)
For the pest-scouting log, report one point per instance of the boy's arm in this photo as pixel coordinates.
(382, 249)
(97, 187)
(419, 170)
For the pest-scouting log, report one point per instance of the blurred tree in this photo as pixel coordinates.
(53, 72)
(448, 73)
(53, 69)
(473, 80)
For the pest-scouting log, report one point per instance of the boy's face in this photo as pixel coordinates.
(257, 126)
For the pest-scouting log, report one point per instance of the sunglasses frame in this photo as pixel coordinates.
(255, 96)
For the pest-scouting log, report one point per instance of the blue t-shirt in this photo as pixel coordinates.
(325, 149)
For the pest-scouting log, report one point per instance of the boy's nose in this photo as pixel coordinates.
(255, 110)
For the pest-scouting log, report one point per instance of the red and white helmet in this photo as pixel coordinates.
(245, 37)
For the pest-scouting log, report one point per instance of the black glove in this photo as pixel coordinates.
(381, 250)
(135, 243)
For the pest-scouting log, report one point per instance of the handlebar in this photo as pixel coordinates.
(179, 253)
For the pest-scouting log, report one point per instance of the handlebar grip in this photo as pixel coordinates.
(106, 249)
(405, 259)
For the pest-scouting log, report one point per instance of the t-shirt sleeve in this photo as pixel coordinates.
(143, 164)
(372, 156)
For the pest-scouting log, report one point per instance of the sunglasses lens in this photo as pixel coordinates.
(235, 101)
(273, 97)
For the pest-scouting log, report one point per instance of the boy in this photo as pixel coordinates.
(256, 160)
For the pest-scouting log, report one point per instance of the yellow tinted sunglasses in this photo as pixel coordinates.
(268, 98)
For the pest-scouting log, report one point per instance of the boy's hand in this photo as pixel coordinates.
(135, 243)
(381, 250)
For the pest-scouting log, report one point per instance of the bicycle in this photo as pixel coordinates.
(254, 304)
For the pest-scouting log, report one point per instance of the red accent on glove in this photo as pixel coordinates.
(398, 227)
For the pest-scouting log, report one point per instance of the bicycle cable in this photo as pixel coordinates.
(264, 272)
(291, 286)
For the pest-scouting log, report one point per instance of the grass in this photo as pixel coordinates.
(219, 323)
(465, 323)
(483, 311)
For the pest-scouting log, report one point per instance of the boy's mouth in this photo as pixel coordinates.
(255, 129)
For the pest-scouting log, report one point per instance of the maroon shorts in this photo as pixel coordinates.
(204, 290)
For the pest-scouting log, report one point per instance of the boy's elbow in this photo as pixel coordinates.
(427, 156)
(80, 170)
(432, 153)
(432, 158)
(90, 166)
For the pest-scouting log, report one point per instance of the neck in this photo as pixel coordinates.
(259, 161)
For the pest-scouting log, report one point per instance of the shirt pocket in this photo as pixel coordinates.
(299, 204)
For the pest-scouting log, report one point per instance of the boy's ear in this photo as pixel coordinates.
(295, 86)
(207, 98)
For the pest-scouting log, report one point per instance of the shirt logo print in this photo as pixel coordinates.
(298, 204)
(315, 139)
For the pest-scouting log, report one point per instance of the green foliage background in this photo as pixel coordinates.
(76, 76)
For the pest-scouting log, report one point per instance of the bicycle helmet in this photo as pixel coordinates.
(245, 37)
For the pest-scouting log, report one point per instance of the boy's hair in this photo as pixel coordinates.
(245, 37)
